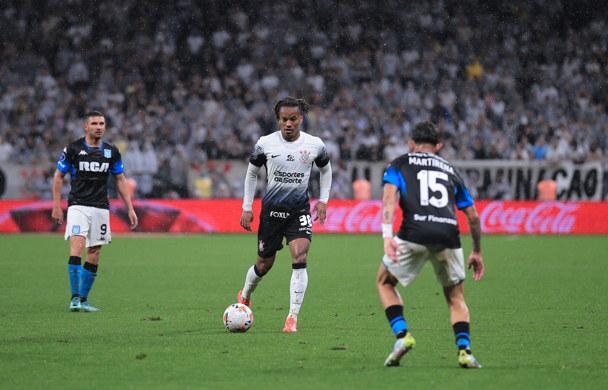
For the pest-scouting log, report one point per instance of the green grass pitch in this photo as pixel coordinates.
(539, 317)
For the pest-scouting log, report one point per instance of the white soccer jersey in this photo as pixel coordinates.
(288, 167)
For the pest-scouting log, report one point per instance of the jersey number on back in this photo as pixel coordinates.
(428, 180)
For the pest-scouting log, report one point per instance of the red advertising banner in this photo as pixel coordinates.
(343, 216)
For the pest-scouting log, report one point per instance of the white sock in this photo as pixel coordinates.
(251, 282)
(297, 288)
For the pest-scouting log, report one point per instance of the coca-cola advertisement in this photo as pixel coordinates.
(343, 216)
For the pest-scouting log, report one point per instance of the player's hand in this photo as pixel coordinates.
(133, 219)
(57, 215)
(476, 262)
(321, 210)
(246, 219)
(391, 248)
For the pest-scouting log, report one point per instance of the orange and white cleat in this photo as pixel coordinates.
(241, 300)
(290, 325)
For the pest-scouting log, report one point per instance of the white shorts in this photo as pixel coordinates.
(91, 223)
(448, 263)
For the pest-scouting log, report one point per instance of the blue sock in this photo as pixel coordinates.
(89, 273)
(461, 331)
(394, 314)
(74, 269)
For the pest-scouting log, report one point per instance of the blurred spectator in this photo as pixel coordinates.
(576, 153)
(540, 149)
(479, 151)
(500, 188)
(520, 153)
(595, 153)
(555, 154)
(362, 189)
(6, 150)
(178, 170)
(464, 153)
(396, 147)
(547, 189)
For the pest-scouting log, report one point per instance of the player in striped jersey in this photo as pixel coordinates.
(288, 155)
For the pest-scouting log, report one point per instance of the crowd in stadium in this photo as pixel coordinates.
(182, 85)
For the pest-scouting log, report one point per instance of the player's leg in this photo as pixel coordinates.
(450, 272)
(75, 270)
(254, 277)
(393, 308)
(89, 274)
(77, 228)
(298, 283)
(270, 240)
(99, 234)
(460, 319)
(411, 261)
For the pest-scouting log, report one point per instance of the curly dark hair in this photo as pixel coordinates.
(290, 101)
(426, 133)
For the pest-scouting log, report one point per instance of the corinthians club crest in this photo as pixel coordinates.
(304, 157)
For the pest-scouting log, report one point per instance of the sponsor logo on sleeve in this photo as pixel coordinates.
(257, 150)
(323, 155)
(62, 158)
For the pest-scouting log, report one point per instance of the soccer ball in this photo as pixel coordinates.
(238, 318)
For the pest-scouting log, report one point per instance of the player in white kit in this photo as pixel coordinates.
(288, 156)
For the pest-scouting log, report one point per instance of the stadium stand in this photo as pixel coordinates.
(182, 85)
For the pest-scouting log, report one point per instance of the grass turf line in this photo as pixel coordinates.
(539, 317)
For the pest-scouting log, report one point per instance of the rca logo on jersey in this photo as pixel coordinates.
(305, 157)
(93, 166)
(279, 214)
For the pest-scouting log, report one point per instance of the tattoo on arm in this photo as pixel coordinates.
(475, 228)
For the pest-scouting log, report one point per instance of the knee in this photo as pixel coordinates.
(300, 258)
(78, 245)
(385, 279)
(456, 302)
(263, 267)
(94, 251)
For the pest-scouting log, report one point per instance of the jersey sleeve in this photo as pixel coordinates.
(461, 193)
(258, 157)
(322, 156)
(393, 175)
(116, 166)
(65, 161)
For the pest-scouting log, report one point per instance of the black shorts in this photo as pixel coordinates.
(272, 231)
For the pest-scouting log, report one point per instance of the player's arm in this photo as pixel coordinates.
(57, 214)
(251, 181)
(322, 162)
(320, 208)
(123, 190)
(63, 166)
(475, 259)
(388, 213)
